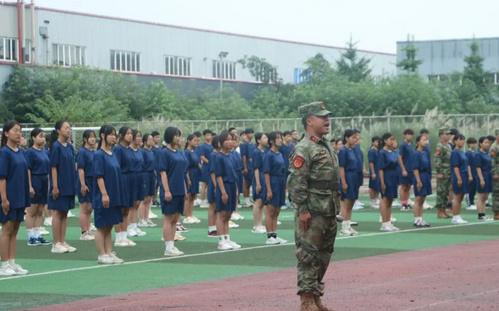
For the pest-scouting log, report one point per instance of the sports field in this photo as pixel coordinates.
(207, 279)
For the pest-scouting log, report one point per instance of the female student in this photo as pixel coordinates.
(107, 195)
(259, 187)
(275, 181)
(348, 162)
(225, 172)
(240, 179)
(374, 183)
(62, 190)
(470, 198)
(172, 167)
(461, 177)
(421, 180)
(484, 183)
(38, 171)
(193, 179)
(405, 169)
(84, 161)
(137, 182)
(14, 196)
(149, 178)
(388, 164)
(212, 184)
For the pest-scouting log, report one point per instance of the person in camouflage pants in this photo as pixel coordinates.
(494, 157)
(442, 167)
(313, 185)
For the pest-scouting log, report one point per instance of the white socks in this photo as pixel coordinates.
(212, 228)
(36, 232)
(5, 264)
(169, 245)
(346, 224)
(456, 217)
(247, 200)
(416, 219)
(121, 236)
(31, 232)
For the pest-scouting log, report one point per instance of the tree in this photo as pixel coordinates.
(318, 67)
(260, 69)
(410, 64)
(348, 65)
(474, 68)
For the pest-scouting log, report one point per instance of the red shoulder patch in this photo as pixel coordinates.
(493, 153)
(437, 152)
(314, 139)
(298, 162)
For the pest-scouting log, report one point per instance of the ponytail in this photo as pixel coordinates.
(383, 139)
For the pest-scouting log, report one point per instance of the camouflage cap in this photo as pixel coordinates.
(315, 108)
(497, 131)
(443, 130)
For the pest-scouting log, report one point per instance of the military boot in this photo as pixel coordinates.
(319, 304)
(443, 214)
(496, 215)
(308, 303)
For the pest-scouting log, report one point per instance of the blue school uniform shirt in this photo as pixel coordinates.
(238, 160)
(258, 157)
(225, 168)
(213, 163)
(84, 160)
(247, 150)
(206, 151)
(458, 159)
(406, 152)
(38, 161)
(124, 157)
(421, 162)
(106, 166)
(482, 160)
(286, 151)
(373, 157)
(274, 164)
(14, 169)
(360, 158)
(348, 159)
(149, 159)
(388, 161)
(470, 154)
(192, 159)
(174, 164)
(137, 161)
(157, 155)
(63, 157)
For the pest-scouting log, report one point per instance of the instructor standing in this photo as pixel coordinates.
(313, 184)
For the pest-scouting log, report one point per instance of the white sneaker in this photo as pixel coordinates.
(204, 204)
(189, 220)
(458, 221)
(485, 218)
(410, 202)
(105, 259)
(281, 241)
(236, 216)
(70, 248)
(197, 221)
(92, 227)
(396, 204)
(47, 222)
(359, 203)
(279, 223)
(140, 232)
(197, 202)
(471, 208)
(392, 219)
(7, 271)
(348, 232)
(130, 243)
(131, 232)
(87, 237)
(152, 215)
(59, 248)
(357, 207)
(233, 225)
(121, 243)
(70, 214)
(387, 228)
(224, 246)
(259, 230)
(248, 204)
(18, 269)
(142, 223)
(427, 206)
(115, 258)
(174, 252)
(354, 232)
(43, 231)
(150, 224)
(394, 228)
(234, 244)
(272, 241)
(375, 205)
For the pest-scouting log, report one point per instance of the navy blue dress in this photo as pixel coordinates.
(360, 166)
(348, 159)
(406, 152)
(275, 166)
(106, 166)
(39, 164)
(388, 162)
(84, 161)
(14, 169)
(124, 157)
(174, 164)
(482, 160)
(458, 159)
(258, 161)
(194, 173)
(212, 186)
(247, 150)
(285, 150)
(421, 162)
(63, 158)
(138, 178)
(238, 162)
(149, 171)
(373, 156)
(157, 155)
(226, 169)
(207, 150)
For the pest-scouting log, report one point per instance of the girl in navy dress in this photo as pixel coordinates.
(172, 167)
(38, 168)
(421, 180)
(212, 185)
(138, 185)
(374, 183)
(388, 174)
(349, 175)
(484, 184)
(461, 177)
(157, 153)
(275, 180)
(193, 178)
(238, 159)
(107, 195)
(360, 167)
(225, 172)
(14, 196)
(62, 190)
(405, 169)
(84, 161)
(258, 182)
(149, 178)
(124, 156)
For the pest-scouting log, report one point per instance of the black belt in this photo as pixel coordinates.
(324, 184)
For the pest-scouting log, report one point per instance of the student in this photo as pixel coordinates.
(38, 170)
(173, 167)
(193, 176)
(421, 180)
(84, 183)
(388, 174)
(484, 184)
(107, 195)
(461, 177)
(470, 197)
(149, 178)
(212, 216)
(226, 191)
(207, 149)
(294, 138)
(374, 183)
(360, 167)
(274, 169)
(62, 190)
(14, 196)
(338, 145)
(198, 151)
(349, 174)
(157, 152)
(238, 162)
(258, 183)
(247, 149)
(138, 185)
(285, 150)
(405, 169)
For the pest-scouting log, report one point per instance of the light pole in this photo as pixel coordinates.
(221, 56)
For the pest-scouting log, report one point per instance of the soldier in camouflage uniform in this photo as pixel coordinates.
(494, 157)
(442, 166)
(313, 187)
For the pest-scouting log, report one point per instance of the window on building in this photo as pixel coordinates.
(69, 55)
(177, 66)
(267, 75)
(299, 77)
(8, 49)
(125, 61)
(27, 52)
(224, 70)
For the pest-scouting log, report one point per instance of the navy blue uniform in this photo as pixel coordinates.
(388, 162)
(238, 163)
(226, 169)
(207, 150)
(63, 158)
(84, 160)
(275, 166)
(471, 197)
(174, 164)
(482, 160)
(157, 155)
(148, 171)
(39, 164)
(458, 159)
(138, 178)
(247, 150)
(124, 158)
(360, 165)
(421, 162)
(373, 157)
(194, 172)
(349, 161)
(406, 152)
(258, 161)
(212, 186)
(285, 150)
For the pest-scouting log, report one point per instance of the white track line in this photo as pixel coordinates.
(238, 250)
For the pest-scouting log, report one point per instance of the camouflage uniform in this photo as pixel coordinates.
(494, 157)
(442, 167)
(313, 185)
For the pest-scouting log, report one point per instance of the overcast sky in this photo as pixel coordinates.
(376, 24)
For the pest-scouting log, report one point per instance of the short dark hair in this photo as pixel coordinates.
(242, 133)
(249, 131)
(232, 128)
(293, 131)
(332, 140)
(197, 133)
(286, 133)
(348, 133)
(215, 142)
(408, 132)
(424, 131)
(154, 133)
(223, 137)
(471, 140)
(454, 132)
(170, 133)
(258, 136)
(491, 137)
(459, 137)
(356, 131)
(207, 131)
(272, 138)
